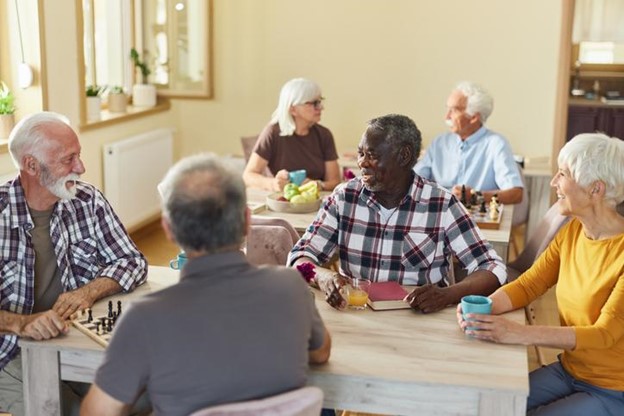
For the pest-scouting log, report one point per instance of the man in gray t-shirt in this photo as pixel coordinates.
(228, 331)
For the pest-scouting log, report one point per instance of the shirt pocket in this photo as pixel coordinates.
(83, 259)
(419, 251)
(9, 273)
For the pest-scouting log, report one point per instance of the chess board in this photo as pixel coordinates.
(103, 332)
(483, 219)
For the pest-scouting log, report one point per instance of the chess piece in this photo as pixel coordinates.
(463, 199)
(90, 317)
(118, 308)
(494, 208)
(97, 327)
(473, 198)
(110, 308)
(482, 210)
(109, 326)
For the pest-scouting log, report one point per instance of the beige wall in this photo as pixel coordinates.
(371, 57)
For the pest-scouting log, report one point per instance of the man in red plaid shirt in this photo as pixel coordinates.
(391, 224)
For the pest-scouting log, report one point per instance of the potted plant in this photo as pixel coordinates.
(117, 100)
(94, 102)
(7, 111)
(144, 94)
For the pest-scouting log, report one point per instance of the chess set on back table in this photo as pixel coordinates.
(99, 328)
(488, 216)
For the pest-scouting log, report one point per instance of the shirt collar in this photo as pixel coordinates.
(413, 192)
(207, 264)
(472, 139)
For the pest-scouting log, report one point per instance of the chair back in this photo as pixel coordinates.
(249, 142)
(270, 240)
(521, 210)
(305, 401)
(544, 232)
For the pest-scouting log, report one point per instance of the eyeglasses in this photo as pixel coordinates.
(317, 104)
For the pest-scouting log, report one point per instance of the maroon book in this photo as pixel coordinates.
(387, 295)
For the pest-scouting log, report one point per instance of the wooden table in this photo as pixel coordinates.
(394, 362)
(498, 238)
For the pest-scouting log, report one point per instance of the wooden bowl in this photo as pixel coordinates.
(284, 206)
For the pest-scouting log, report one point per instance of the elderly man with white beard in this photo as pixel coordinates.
(62, 246)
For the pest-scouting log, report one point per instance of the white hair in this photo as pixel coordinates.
(30, 134)
(592, 157)
(294, 92)
(478, 100)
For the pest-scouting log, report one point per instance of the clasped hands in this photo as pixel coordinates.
(427, 298)
(51, 323)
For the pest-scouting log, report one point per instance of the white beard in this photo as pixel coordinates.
(60, 189)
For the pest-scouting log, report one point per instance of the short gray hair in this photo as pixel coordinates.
(204, 201)
(399, 131)
(30, 134)
(478, 99)
(294, 92)
(592, 157)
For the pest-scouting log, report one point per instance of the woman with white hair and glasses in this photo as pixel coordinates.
(294, 140)
(586, 262)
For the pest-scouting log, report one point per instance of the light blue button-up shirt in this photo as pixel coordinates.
(484, 161)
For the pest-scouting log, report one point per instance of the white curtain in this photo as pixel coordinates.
(598, 21)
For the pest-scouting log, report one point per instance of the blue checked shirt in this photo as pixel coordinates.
(412, 247)
(88, 239)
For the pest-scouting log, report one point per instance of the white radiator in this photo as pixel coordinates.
(133, 167)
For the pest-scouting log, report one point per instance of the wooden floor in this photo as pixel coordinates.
(152, 241)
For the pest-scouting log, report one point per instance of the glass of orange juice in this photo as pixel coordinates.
(356, 292)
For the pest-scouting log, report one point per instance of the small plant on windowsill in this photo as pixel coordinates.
(144, 94)
(94, 102)
(7, 111)
(7, 100)
(117, 100)
(94, 90)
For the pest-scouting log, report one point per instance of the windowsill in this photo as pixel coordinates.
(108, 118)
(4, 146)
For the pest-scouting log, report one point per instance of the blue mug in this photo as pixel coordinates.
(297, 176)
(475, 304)
(179, 262)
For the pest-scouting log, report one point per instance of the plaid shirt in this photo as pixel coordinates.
(412, 247)
(88, 239)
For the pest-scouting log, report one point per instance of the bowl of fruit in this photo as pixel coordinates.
(296, 199)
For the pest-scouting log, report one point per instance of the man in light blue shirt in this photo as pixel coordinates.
(471, 155)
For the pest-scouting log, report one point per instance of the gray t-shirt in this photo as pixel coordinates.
(229, 331)
(48, 284)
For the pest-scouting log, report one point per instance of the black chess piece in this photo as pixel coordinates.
(90, 317)
(110, 308)
(118, 308)
(482, 210)
(473, 198)
(463, 195)
(97, 327)
(109, 326)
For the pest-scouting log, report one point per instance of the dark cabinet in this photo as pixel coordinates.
(589, 119)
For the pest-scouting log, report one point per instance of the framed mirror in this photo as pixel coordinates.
(175, 37)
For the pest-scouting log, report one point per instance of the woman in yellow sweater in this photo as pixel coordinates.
(586, 262)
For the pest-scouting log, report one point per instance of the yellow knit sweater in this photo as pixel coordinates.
(589, 275)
